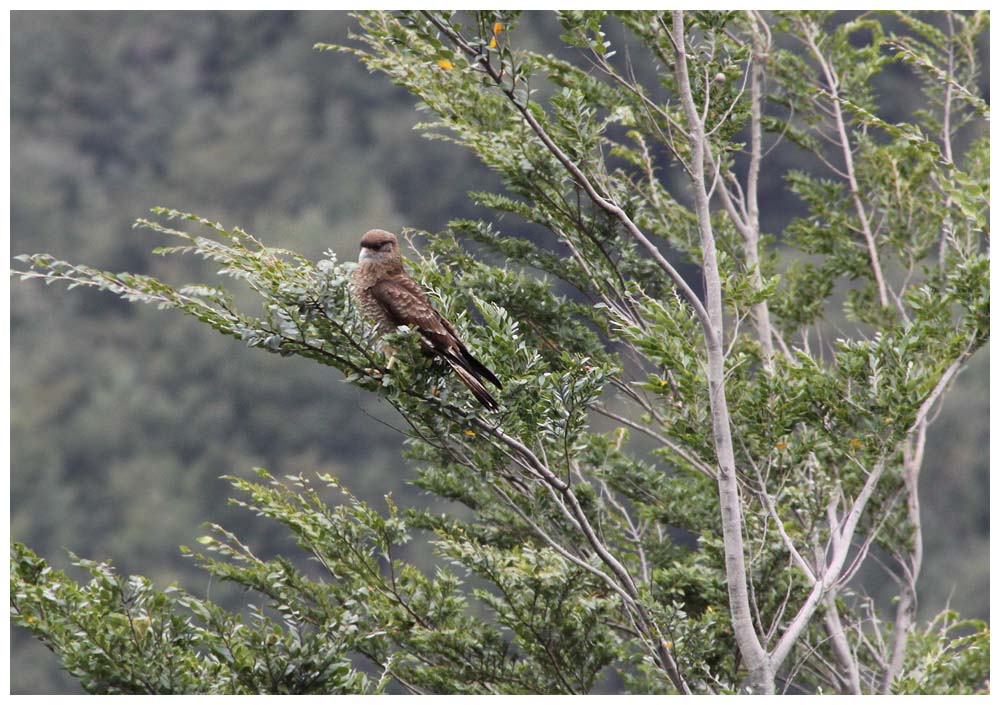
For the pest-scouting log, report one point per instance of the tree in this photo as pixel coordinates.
(718, 550)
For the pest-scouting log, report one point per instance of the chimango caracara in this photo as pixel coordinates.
(387, 295)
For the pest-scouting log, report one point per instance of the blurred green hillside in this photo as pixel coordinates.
(123, 417)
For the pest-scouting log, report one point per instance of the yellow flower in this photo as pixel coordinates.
(780, 445)
(855, 443)
(445, 64)
(470, 433)
(668, 645)
(497, 29)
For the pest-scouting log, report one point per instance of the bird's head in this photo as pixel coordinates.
(381, 247)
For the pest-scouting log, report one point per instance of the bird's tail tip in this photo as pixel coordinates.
(477, 388)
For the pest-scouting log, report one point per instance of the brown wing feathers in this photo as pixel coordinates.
(405, 303)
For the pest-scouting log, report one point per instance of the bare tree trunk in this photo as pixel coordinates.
(906, 608)
(756, 658)
(809, 32)
(851, 676)
(751, 239)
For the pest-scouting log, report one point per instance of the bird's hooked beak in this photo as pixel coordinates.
(363, 255)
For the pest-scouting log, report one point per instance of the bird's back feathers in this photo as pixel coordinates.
(394, 299)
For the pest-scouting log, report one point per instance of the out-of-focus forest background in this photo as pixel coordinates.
(124, 417)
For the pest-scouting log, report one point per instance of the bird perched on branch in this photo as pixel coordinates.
(387, 295)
